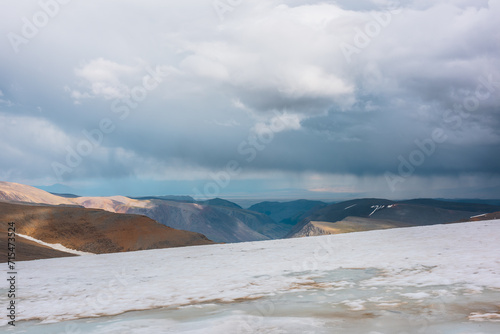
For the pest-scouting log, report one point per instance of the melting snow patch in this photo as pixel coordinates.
(416, 295)
(476, 316)
(58, 247)
(355, 305)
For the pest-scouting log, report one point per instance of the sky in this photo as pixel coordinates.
(252, 99)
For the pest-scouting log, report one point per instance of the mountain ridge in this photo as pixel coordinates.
(416, 212)
(218, 219)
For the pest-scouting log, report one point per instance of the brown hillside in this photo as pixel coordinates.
(26, 249)
(94, 231)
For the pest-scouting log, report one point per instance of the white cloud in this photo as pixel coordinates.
(104, 78)
(205, 67)
(312, 81)
(238, 104)
(102, 70)
(281, 121)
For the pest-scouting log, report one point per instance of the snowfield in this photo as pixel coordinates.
(430, 279)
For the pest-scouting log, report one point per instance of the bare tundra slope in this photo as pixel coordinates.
(426, 279)
(26, 249)
(91, 230)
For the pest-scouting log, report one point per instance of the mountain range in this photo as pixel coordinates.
(119, 223)
(218, 219)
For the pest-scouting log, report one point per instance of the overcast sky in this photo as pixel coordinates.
(315, 99)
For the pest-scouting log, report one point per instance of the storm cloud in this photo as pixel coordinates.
(398, 98)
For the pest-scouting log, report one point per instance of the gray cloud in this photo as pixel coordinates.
(225, 80)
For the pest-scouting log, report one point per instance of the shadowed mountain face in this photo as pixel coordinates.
(94, 231)
(221, 202)
(211, 221)
(288, 213)
(218, 223)
(258, 222)
(390, 213)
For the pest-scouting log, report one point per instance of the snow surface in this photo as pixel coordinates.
(58, 247)
(430, 279)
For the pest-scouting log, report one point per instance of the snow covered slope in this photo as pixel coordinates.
(429, 279)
